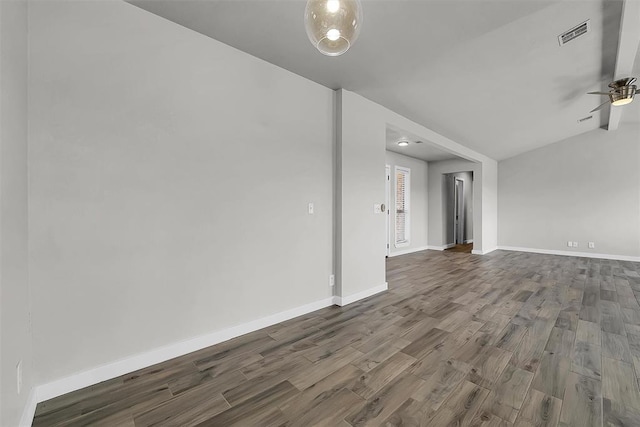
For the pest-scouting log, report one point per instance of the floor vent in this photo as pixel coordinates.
(574, 33)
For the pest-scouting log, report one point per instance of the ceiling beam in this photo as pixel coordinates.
(628, 43)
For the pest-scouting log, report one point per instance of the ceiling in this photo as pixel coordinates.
(488, 74)
(424, 150)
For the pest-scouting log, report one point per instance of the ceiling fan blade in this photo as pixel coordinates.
(599, 107)
(597, 93)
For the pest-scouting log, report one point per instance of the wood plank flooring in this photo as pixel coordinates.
(462, 247)
(505, 339)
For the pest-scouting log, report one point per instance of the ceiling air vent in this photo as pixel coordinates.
(574, 33)
(584, 119)
(418, 142)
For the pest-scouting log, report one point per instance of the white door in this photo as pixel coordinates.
(387, 203)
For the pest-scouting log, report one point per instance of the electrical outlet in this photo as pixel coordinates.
(19, 377)
(575, 244)
(570, 244)
(332, 280)
(592, 245)
(310, 208)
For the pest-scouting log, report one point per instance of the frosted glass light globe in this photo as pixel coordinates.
(333, 25)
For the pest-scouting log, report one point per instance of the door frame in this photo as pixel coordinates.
(388, 207)
(458, 211)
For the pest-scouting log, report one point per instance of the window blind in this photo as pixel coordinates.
(402, 206)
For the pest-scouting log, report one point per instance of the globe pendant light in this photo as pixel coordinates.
(333, 25)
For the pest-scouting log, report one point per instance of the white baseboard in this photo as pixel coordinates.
(409, 251)
(29, 409)
(480, 252)
(123, 366)
(342, 301)
(571, 253)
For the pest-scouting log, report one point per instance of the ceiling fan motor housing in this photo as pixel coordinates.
(622, 82)
(623, 92)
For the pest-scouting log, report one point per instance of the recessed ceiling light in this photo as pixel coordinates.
(403, 143)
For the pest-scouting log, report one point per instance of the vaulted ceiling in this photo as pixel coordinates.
(488, 74)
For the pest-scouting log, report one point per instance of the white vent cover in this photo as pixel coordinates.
(574, 33)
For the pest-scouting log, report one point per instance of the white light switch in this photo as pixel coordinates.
(310, 208)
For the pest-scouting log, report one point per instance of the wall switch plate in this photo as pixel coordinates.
(310, 207)
(592, 245)
(377, 208)
(19, 377)
(332, 280)
(570, 244)
(575, 244)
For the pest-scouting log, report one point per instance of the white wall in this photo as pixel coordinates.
(418, 216)
(584, 189)
(440, 226)
(169, 181)
(170, 176)
(489, 184)
(360, 233)
(15, 331)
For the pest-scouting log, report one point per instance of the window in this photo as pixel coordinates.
(402, 206)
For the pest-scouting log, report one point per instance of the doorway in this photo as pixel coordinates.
(458, 211)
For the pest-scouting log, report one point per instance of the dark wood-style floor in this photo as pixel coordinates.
(462, 247)
(497, 340)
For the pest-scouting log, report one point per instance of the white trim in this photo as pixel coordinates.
(161, 354)
(29, 408)
(571, 253)
(407, 205)
(387, 197)
(342, 301)
(456, 208)
(409, 251)
(480, 252)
